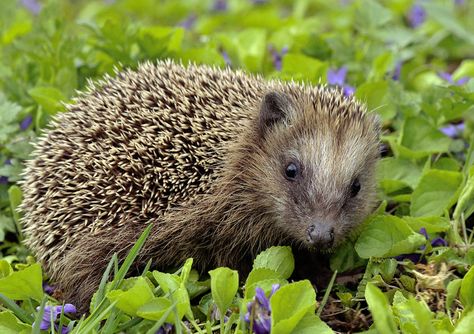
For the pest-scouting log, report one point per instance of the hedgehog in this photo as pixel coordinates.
(224, 164)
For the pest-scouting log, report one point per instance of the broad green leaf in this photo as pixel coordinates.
(155, 308)
(290, 304)
(445, 163)
(301, 67)
(399, 169)
(224, 285)
(435, 193)
(466, 324)
(376, 96)
(181, 298)
(381, 311)
(168, 282)
(9, 324)
(387, 236)
(447, 18)
(311, 324)
(380, 66)
(15, 195)
(23, 284)
(466, 292)
(452, 291)
(422, 315)
(50, 98)
(132, 299)
(5, 269)
(186, 270)
(465, 69)
(251, 48)
(260, 274)
(421, 137)
(263, 278)
(414, 315)
(278, 258)
(431, 224)
(345, 258)
(370, 15)
(466, 198)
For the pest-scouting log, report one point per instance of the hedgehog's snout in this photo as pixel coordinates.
(321, 234)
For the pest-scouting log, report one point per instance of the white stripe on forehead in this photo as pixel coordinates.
(332, 164)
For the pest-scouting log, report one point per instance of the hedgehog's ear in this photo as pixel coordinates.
(274, 109)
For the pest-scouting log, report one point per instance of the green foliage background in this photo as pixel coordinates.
(426, 178)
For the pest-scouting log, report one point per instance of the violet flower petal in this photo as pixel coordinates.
(397, 71)
(48, 289)
(416, 15)
(453, 130)
(446, 76)
(260, 326)
(337, 76)
(262, 299)
(220, 6)
(69, 308)
(413, 257)
(226, 57)
(348, 90)
(32, 5)
(438, 242)
(424, 232)
(275, 287)
(26, 122)
(462, 81)
(3, 179)
(188, 22)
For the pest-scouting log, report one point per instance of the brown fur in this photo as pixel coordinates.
(185, 148)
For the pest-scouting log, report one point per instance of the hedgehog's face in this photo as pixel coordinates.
(324, 163)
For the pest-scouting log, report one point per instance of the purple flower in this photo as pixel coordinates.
(413, 257)
(436, 242)
(220, 6)
(459, 2)
(3, 180)
(53, 312)
(188, 22)
(277, 57)
(26, 122)
(259, 311)
(397, 71)
(449, 78)
(165, 329)
(226, 57)
(416, 15)
(32, 5)
(337, 77)
(453, 130)
(48, 289)
(417, 257)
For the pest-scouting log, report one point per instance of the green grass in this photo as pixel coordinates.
(426, 178)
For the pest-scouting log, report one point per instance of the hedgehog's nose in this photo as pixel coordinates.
(321, 235)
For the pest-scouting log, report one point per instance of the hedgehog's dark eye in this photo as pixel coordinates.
(355, 188)
(291, 171)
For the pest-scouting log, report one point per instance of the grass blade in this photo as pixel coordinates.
(130, 258)
(39, 317)
(326, 294)
(18, 311)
